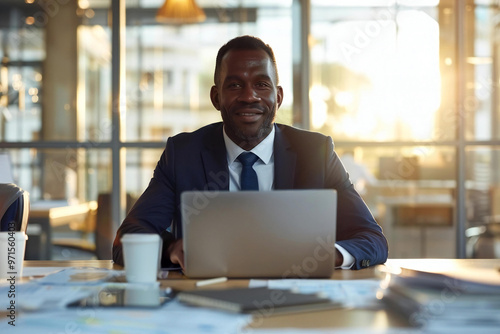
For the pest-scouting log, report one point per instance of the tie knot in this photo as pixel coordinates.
(247, 158)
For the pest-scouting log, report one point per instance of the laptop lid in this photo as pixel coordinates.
(282, 234)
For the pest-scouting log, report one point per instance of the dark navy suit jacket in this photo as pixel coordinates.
(302, 160)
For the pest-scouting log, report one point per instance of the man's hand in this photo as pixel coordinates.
(339, 259)
(176, 253)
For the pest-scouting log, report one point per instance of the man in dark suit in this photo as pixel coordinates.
(247, 94)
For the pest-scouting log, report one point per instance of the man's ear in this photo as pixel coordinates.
(214, 97)
(279, 97)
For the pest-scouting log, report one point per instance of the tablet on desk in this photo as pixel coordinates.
(135, 296)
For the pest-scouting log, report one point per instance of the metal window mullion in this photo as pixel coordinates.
(301, 26)
(461, 159)
(117, 63)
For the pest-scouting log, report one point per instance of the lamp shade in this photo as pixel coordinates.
(180, 12)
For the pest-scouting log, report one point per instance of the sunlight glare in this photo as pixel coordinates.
(418, 90)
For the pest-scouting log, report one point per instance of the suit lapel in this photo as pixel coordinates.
(284, 161)
(214, 159)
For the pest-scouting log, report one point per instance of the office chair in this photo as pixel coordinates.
(14, 208)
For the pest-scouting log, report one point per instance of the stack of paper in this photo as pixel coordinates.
(437, 302)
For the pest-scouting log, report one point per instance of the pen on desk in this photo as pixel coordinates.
(211, 281)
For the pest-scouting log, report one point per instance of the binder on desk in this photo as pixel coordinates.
(468, 279)
(256, 300)
(465, 299)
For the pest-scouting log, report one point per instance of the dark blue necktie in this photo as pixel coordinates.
(248, 179)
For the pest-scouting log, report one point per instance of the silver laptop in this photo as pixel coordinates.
(278, 234)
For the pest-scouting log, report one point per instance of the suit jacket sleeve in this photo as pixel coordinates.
(154, 210)
(357, 230)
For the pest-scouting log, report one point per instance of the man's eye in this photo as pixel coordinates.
(263, 84)
(234, 85)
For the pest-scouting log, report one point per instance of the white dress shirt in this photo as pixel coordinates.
(264, 167)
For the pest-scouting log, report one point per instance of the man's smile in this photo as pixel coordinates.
(249, 116)
(249, 113)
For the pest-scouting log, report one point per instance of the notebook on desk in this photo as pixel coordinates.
(280, 234)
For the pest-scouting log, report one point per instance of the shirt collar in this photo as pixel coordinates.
(264, 150)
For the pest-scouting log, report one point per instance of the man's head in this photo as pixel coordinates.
(246, 90)
(244, 43)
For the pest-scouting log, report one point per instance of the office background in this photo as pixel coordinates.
(408, 89)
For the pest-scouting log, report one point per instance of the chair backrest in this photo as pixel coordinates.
(104, 233)
(14, 208)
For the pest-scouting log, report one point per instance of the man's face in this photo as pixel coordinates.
(247, 96)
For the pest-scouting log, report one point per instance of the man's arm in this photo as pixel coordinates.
(357, 231)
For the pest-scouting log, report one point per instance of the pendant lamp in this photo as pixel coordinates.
(180, 12)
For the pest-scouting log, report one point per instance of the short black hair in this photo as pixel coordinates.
(243, 43)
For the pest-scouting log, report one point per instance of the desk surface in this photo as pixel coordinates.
(60, 212)
(337, 318)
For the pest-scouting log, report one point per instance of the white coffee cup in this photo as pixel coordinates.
(12, 246)
(141, 256)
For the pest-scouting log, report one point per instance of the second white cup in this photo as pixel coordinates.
(12, 246)
(141, 256)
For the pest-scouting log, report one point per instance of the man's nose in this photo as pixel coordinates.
(248, 94)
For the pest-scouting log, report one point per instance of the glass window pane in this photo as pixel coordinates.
(54, 72)
(170, 67)
(483, 201)
(480, 107)
(22, 53)
(140, 164)
(94, 83)
(376, 74)
(411, 192)
(71, 179)
(71, 174)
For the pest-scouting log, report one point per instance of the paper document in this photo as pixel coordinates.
(80, 276)
(171, 318)
(40, 271)
(35, 297)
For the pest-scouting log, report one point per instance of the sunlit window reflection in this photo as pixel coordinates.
(376, 77)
